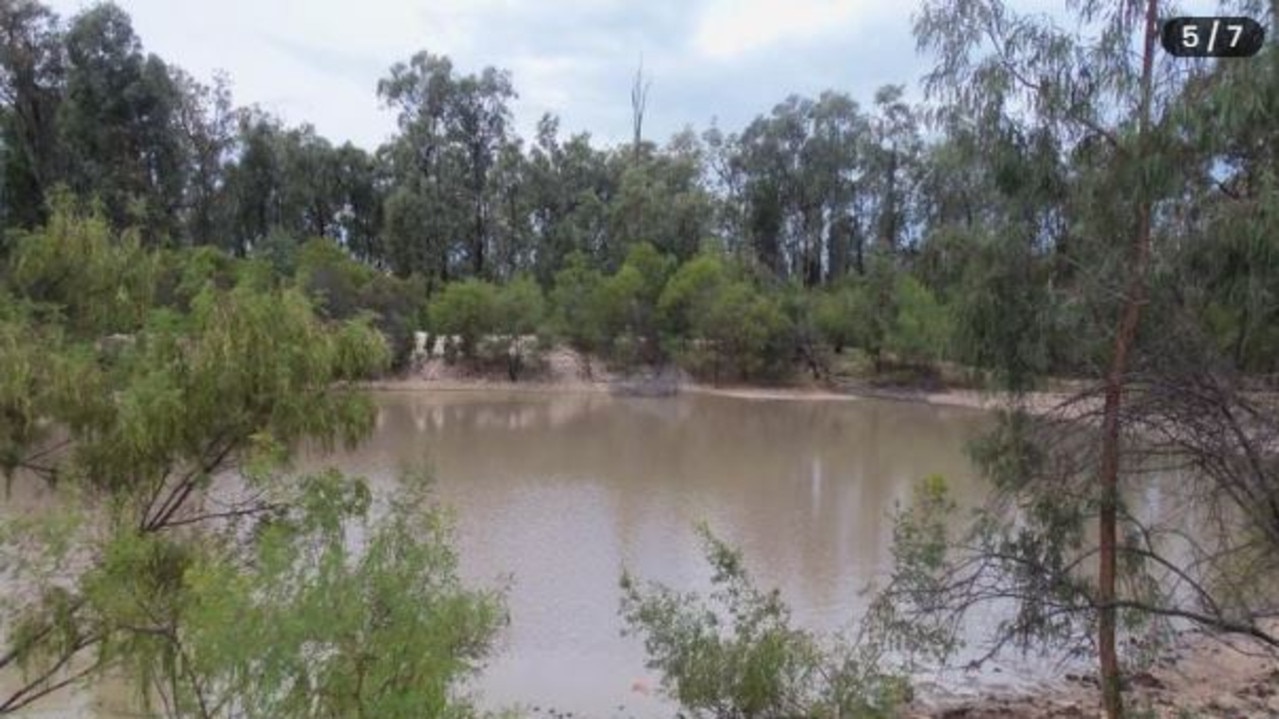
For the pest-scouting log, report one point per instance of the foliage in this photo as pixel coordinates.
(344, 288)
(689, 290)
(735, 653)
(466, 311)
(921, 331)
(839, 315)
(921, 549)
(137, 429)
(300, 623)
(74, 265)
(994, 225)
(519, 310)
(577, 304)
(629, 304)
(744, 334)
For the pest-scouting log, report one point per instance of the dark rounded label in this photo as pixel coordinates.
(1213, 36)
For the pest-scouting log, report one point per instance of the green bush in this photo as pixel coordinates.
(839, 316)
(576, 304)
(741, 333)
(397, 305)
(467, 310)
(518, 313)
(689, 289)
(920, 333)
(629, 301)
(735, 654)
(343, 287)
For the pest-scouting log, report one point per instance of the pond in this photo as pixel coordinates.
(560, 491)
(557, 492)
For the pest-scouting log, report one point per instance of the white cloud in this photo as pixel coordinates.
(730, 28)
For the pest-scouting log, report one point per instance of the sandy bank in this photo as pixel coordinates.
(563, 370)
(949, 398)
(1201, 677)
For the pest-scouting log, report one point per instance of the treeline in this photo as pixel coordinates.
(912, 233)
(188, 291)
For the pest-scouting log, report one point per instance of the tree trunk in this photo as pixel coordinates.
(1125, 336)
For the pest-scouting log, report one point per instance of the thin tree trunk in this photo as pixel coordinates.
(477, 250)
(1112, 698)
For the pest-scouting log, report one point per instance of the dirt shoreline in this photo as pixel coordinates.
(564, 370)
(1199, 677)
(969, 399)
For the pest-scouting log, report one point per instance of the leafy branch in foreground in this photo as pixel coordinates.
(1024, 558)
(161, 408)
(301, 624)
(736, 654)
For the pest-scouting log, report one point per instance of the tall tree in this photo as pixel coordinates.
(639, 105)
(118, 120)
(32, 73)
(1089, 97)
(206, 121)
(452, 129)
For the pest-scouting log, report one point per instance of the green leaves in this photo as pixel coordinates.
(383, 631)
(132, 429)
(466, 310)
(735, 653)
(577, 304)
(301, 622)
(75, 264)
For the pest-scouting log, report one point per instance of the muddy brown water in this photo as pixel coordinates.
(559, 491)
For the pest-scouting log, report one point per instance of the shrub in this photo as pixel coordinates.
(576, 304)
(743, 334)
(466, 310)
(921, 330)
(518, 313)
(735, 654)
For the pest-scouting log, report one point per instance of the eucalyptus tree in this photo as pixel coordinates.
(252, 181)
(514, 248)
(800, 184)
(479, 123)
(570, 184)
(1087, 95)
(725, 177)
(770, 148)
(359, 202)
(206, 122)
(422, 217)
(835, 154)
(660, 199)
(118, 119)
(293, 181)
(1226, 248)
(32, 76)
(893, 149)
(452, 130)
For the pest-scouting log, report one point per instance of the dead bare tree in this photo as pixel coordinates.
(639, 105)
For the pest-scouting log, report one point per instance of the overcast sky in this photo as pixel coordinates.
(319, 61)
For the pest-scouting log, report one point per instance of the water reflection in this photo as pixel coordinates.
(561, 491)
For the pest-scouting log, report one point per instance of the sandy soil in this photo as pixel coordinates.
(1203, 678)
(568, 371)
